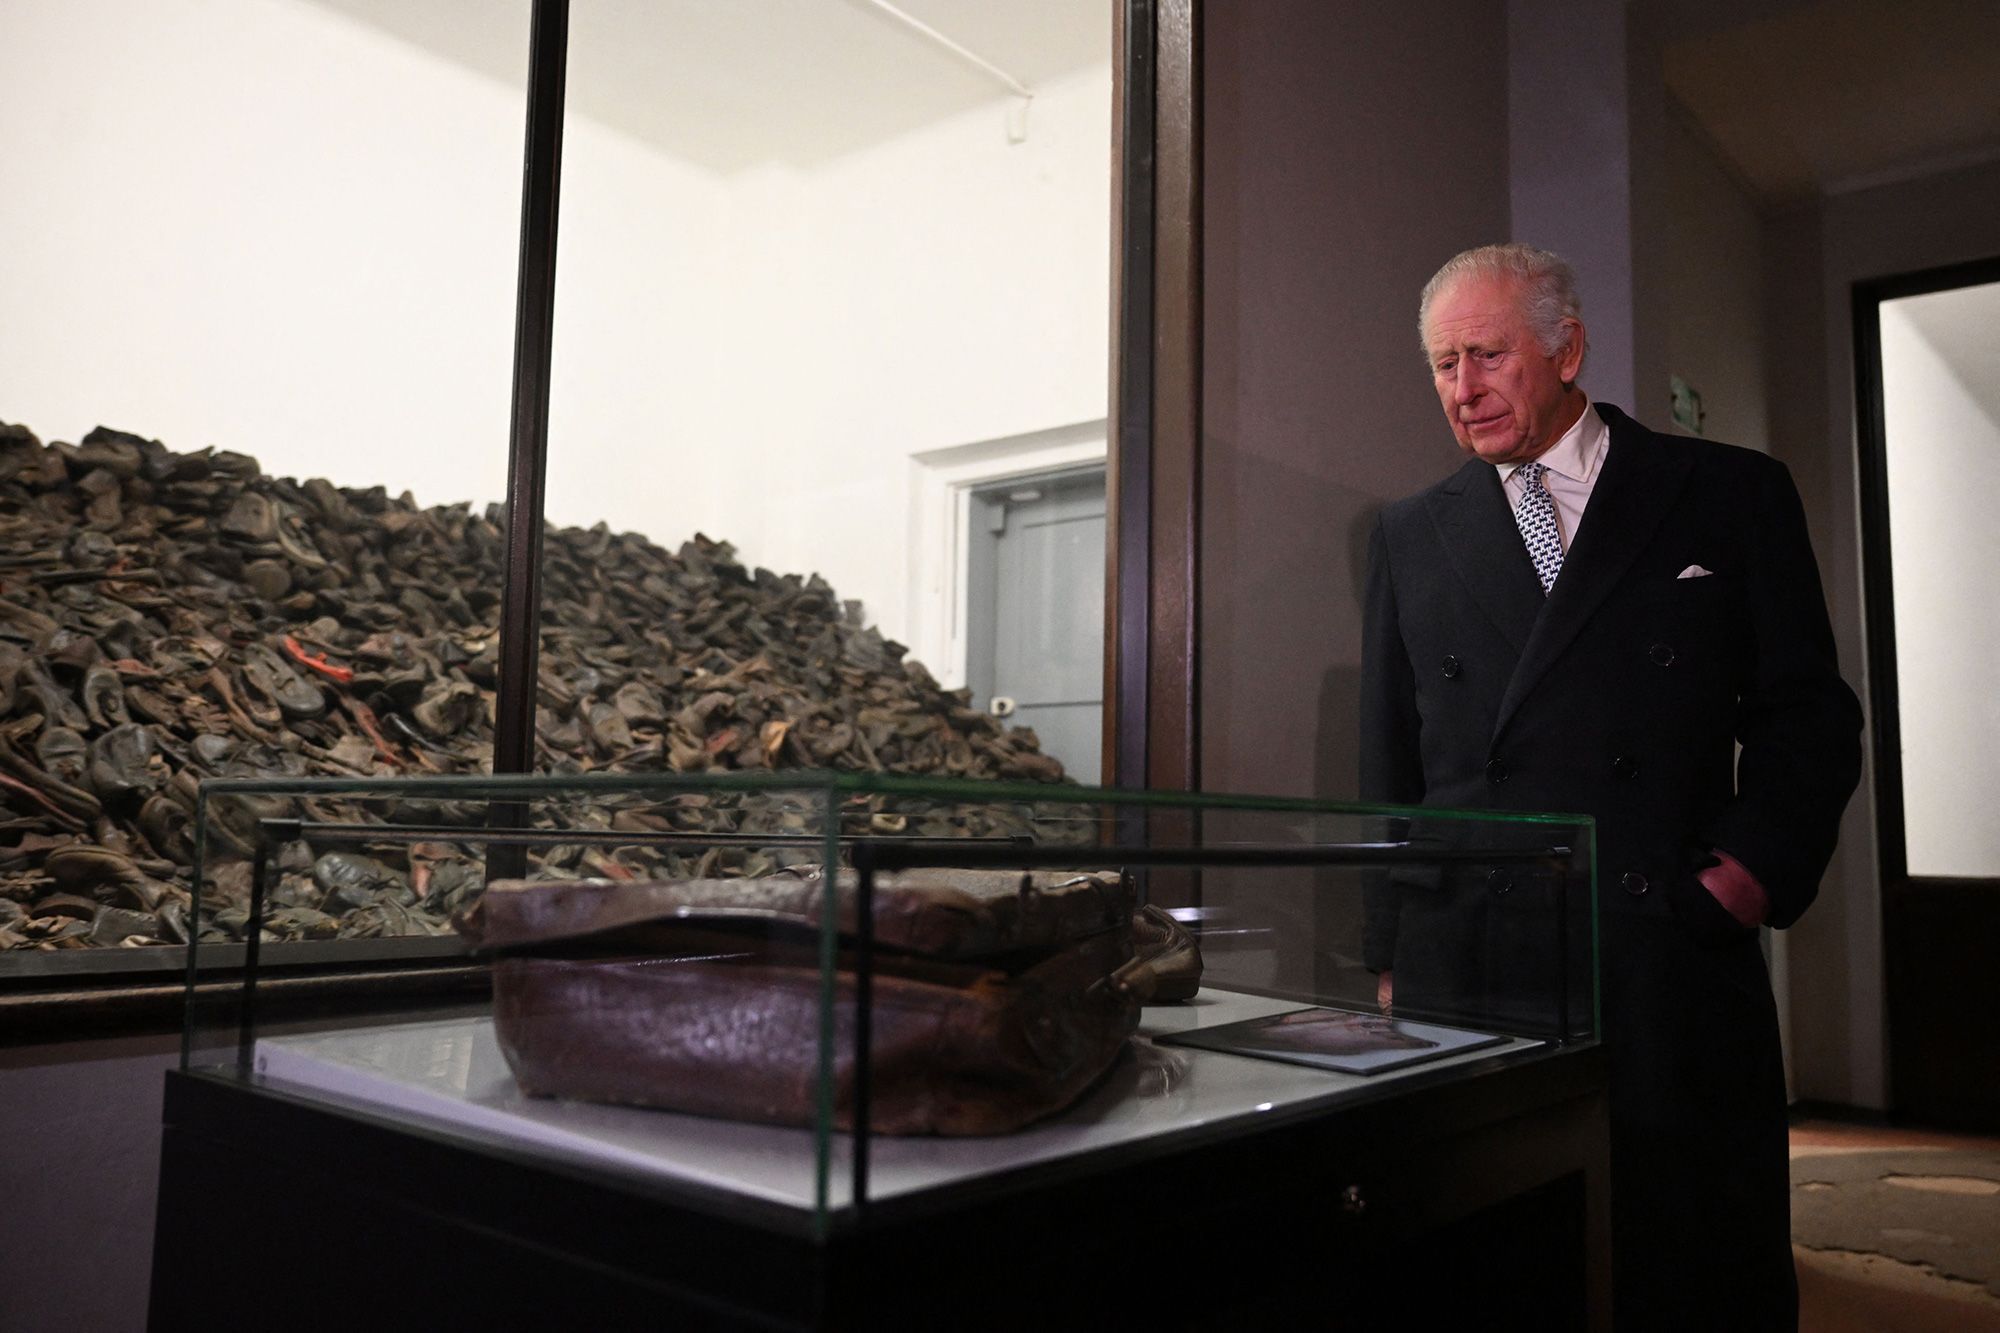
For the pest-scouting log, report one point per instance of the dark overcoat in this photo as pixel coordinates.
(1624, 695)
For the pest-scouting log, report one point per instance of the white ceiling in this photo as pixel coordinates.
(1797, 95)
(1805, 95)
(1963, 327)
(732, 84)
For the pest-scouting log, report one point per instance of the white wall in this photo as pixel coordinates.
(1714, 289)
(1586, 113)
(942, 288)
(255, 252)
(1944, 469)
(260, 225)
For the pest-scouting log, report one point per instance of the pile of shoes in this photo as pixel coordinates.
(166, 617)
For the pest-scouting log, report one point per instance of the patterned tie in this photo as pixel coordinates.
(1535, 516)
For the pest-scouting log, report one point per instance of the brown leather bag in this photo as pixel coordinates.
(997, 997)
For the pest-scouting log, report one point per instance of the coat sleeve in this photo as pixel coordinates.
(1392, 769)
(1798, 723)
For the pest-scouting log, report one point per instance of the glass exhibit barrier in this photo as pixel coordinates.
(809, 997)
(829, 379)
(257, 365)
(813, 356)
(250, 525)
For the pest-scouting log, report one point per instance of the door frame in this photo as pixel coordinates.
(1071, 495)
(941, 485)
(1933, 928)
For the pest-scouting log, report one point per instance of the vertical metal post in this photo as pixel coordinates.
(253, 935)
(826, 1068)
(1173, 715)
(1131, 447)
(1563, 1033)
(1129, 477)
(864, 1017)
(528, 434)
(190, 1014)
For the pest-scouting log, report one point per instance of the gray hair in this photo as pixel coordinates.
(1548, 289)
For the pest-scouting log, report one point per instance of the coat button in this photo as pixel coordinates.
(1625, 766)
(1634, 883)
(1449, 666)
(1662, 654)
(1496, 772)
(1500, 881)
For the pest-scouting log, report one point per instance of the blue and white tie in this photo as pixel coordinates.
(1535, 516)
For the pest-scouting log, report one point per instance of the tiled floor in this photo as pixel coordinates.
(1850, 1291)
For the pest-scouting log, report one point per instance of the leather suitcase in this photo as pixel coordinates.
(998, 997)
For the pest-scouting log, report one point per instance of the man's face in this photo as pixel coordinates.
(1505, 398)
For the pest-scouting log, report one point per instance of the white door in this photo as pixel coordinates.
(1035, 605)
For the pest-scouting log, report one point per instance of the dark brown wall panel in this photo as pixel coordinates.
(1347, 151)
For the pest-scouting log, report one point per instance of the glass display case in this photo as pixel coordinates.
(834, 281)
(757, 929)
(247, 518)
(812, 1049)
(283, 551)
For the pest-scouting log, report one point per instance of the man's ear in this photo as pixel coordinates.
(1569, 361)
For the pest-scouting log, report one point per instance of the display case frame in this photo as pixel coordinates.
(1423, 1118)
(1080, 829)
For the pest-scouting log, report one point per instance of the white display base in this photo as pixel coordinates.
(451, 1073)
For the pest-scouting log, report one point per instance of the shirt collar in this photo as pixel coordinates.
(1577, 455)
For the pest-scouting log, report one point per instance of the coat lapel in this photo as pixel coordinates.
(1477, 528)
(1641, 478)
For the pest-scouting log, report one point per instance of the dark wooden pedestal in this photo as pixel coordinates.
(1478, 1199)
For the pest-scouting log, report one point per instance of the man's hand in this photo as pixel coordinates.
(1732, 885)
(1385, 989)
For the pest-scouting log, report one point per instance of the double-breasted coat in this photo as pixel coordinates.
(1624, 694)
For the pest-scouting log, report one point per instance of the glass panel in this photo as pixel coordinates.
(260, 283)
(1941, 409)
(388, 877)
(955, 970)
(820, 277)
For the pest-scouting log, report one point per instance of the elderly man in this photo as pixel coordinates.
(1590, 617)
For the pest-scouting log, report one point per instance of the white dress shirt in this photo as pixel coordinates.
(1573, 463)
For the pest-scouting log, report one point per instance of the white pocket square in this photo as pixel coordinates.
(1694, 572)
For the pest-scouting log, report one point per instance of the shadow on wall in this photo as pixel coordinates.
(1337, 970)
(1289, 631)
(1337, 752)
(1284, 563)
